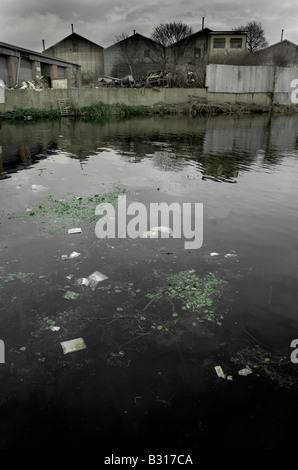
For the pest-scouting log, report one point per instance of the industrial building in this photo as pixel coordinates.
(79, 50)
(18, 65)
(134, 55)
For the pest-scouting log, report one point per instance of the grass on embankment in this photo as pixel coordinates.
(95, 111)
(193, 106)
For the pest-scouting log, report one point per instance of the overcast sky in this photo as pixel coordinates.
(26, 23)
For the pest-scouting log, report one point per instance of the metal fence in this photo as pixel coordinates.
(252, 79)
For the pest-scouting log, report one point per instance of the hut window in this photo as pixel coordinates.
(219, 43)
(236, 43)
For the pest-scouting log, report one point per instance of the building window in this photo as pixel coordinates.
(219, 43)
(236, 43)
(197, 53)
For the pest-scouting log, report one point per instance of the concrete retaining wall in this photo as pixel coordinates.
(47, 99)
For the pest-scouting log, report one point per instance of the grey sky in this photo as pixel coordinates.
(26, 23)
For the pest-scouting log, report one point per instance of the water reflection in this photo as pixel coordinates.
(220, 147)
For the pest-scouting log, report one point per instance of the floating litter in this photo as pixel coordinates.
(150, 234)
(74, 254)
(214, 254)
(74, 230)
(38, 187)
(220, 372)
(231, 255)
(54, 328)
(163, 229)
(92, 280)
(73, 345)
(246, 371)
(95, 278)
(153, 232)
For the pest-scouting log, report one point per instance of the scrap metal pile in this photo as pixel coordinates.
(153, 79)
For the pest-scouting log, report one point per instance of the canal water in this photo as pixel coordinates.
(166, 315)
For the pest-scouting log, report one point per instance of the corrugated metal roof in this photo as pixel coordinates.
(73, 35)
(17, 50)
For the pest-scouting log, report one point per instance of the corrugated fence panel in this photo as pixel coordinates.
(285, 85)
(239, 78)
(284, 77)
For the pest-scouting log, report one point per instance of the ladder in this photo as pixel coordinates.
(66, 107)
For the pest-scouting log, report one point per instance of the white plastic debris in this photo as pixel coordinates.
(246, 371)
(92, 280)
(95, 278)
(233, 254)
(54, 328)
(73, 345)
(220, 372)
(153, 232)
(74, 230)
(74, 254)
(163, 229)
(38, 187)
(150, 234)
(214, 254)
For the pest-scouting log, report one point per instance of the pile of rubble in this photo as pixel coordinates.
(153, 79)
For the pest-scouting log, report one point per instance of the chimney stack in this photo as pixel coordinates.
(43, 46)
(72, 28)
(134, 31)
(203, 19)
(282, 34)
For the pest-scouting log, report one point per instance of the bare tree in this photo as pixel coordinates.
(130, 55)
(172, 40)
(255, 36)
